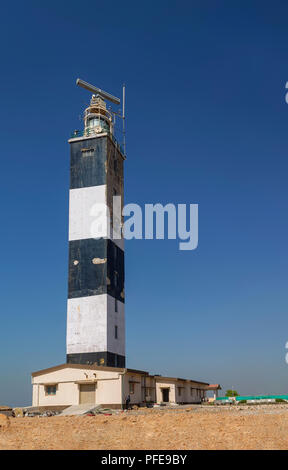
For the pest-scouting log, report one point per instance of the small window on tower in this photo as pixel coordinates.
(87, 152)
(116, 306)
(116, 332)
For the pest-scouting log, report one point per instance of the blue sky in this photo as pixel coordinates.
(206, 124)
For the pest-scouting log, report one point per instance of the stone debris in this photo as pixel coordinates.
(6, 410)
(18, 412)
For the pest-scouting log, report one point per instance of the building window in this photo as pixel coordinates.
(116, 332)
(131, 387)
(50, 389)
(179, 391)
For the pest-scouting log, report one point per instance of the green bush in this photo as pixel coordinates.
(280, 400)
(231, 393)
(241, 402)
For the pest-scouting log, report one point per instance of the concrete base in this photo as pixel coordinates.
(42, 409)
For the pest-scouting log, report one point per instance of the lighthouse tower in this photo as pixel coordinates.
(95, 308)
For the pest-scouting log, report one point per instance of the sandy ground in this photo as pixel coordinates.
(194, 427)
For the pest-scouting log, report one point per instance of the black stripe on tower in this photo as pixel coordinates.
(107, 359)
(87, 162)
(95, 267)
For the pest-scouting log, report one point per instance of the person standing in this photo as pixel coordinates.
(128, 402)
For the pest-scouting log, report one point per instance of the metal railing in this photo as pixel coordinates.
(92, 133)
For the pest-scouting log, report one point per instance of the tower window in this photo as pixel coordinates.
(87, 152)
(116, 332)
(116, 306)
(98, 122)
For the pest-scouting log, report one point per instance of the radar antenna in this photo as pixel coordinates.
(107, 96)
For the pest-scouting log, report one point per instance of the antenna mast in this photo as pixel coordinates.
(123, 118)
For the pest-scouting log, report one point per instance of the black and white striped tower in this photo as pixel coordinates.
(95, 312)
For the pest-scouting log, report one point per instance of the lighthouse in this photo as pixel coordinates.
(95, 306)
(95, 371)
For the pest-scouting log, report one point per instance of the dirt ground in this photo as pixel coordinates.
(193, 427)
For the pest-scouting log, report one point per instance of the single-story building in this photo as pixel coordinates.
(214, 388)
(74, 384)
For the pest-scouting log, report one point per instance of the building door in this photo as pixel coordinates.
(87, 394)
(165, 395)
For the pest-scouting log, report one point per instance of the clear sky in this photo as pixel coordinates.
(206, 124)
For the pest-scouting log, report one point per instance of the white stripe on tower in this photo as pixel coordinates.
(90, 329)
(85, 219)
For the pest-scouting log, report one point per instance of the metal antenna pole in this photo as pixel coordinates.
(123, 117)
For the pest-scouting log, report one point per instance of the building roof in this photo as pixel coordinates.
(214, 387)
(121, 370)
(180, 379)
(86, 366)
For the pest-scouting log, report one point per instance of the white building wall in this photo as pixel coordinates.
(66, 394)
(135, 397)
(109, 391)
(165, 384)
(107, 387)
(112, 387)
